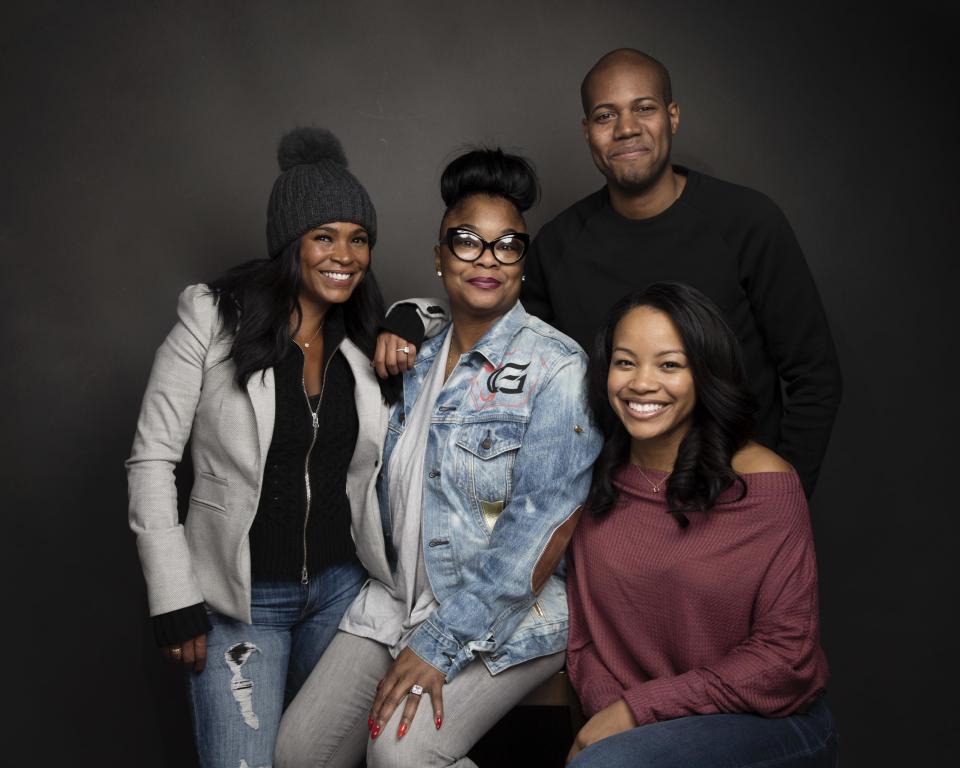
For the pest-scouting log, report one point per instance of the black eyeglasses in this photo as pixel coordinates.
(467, 246)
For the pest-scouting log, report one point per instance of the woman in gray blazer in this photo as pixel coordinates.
(267, 374)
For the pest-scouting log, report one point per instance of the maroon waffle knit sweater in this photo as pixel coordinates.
(718, 617)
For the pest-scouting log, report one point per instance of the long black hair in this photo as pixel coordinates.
(722, 414)
(255, 300)
(493, 172)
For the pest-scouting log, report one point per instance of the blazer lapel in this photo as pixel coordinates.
(372, 413)
(260, 388)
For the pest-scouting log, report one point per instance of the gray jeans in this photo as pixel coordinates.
(326, 724)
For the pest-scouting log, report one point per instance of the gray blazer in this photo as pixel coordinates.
(192, 395)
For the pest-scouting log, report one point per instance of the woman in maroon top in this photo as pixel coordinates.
(694, 632)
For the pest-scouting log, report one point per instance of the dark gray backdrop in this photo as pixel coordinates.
(138, 152)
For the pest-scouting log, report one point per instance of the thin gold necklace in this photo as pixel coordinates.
(306, 344)
(657, 487)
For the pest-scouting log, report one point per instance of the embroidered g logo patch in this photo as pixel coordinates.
(508, 379)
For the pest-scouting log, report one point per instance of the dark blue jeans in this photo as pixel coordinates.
(807, 740)
(254, 670)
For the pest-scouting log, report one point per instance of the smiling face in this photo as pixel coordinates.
(628, 125)
(333, 259)
(483, 289)
(649, 384)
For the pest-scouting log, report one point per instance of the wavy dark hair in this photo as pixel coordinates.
(255, 301)
(722, 414)
(493, 172)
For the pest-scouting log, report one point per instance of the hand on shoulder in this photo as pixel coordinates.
(754, 457)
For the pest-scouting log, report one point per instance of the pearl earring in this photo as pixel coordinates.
(439, 273)
(523, 278)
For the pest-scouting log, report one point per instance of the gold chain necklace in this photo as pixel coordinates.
(657, 487)
(306, 344)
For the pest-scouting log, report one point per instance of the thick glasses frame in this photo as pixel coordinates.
(522, 237)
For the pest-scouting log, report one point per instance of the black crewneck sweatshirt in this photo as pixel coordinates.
(736, 246)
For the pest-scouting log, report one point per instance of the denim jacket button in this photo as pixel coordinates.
(486, 444)
(434, 473)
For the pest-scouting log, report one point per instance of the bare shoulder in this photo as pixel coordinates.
(753, 457)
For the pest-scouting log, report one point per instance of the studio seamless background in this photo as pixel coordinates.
(138, 153)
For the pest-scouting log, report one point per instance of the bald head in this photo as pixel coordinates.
(626, 57)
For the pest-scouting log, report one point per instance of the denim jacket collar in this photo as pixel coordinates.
(492, 345)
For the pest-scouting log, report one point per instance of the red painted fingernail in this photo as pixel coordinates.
(370, 722)
(402, 730)
(375, 732)
(439, 722)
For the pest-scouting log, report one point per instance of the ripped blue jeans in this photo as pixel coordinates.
(254, 670)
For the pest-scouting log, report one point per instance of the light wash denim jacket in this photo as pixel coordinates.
(508, 463)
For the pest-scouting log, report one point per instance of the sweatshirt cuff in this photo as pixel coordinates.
(600, 694)
(650, 700)
(404, 321)
(180, 625)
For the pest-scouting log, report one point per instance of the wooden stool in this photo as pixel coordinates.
(557, 692)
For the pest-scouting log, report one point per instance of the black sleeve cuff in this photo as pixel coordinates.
(180, 625)
(404, 321)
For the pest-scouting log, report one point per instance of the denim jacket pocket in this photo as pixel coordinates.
(484, 466)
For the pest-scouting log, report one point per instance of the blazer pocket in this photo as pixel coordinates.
(209, 492)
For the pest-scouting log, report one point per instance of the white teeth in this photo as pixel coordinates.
(645, 407)
(342, 276)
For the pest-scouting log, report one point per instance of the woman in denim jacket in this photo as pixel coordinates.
(486, 461)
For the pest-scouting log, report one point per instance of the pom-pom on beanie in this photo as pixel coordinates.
(314, 187)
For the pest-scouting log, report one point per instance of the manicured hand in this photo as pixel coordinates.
(192, 652)
(610, 721)
(408, 670)
(388, 359)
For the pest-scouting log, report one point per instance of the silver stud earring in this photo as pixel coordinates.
(439, 273)
(523, 278)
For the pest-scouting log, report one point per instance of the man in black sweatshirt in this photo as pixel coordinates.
(656, 221)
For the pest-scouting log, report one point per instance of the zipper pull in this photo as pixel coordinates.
(316, 419)
(303, 575)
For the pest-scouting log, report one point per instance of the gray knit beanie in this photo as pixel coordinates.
(314, 188)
